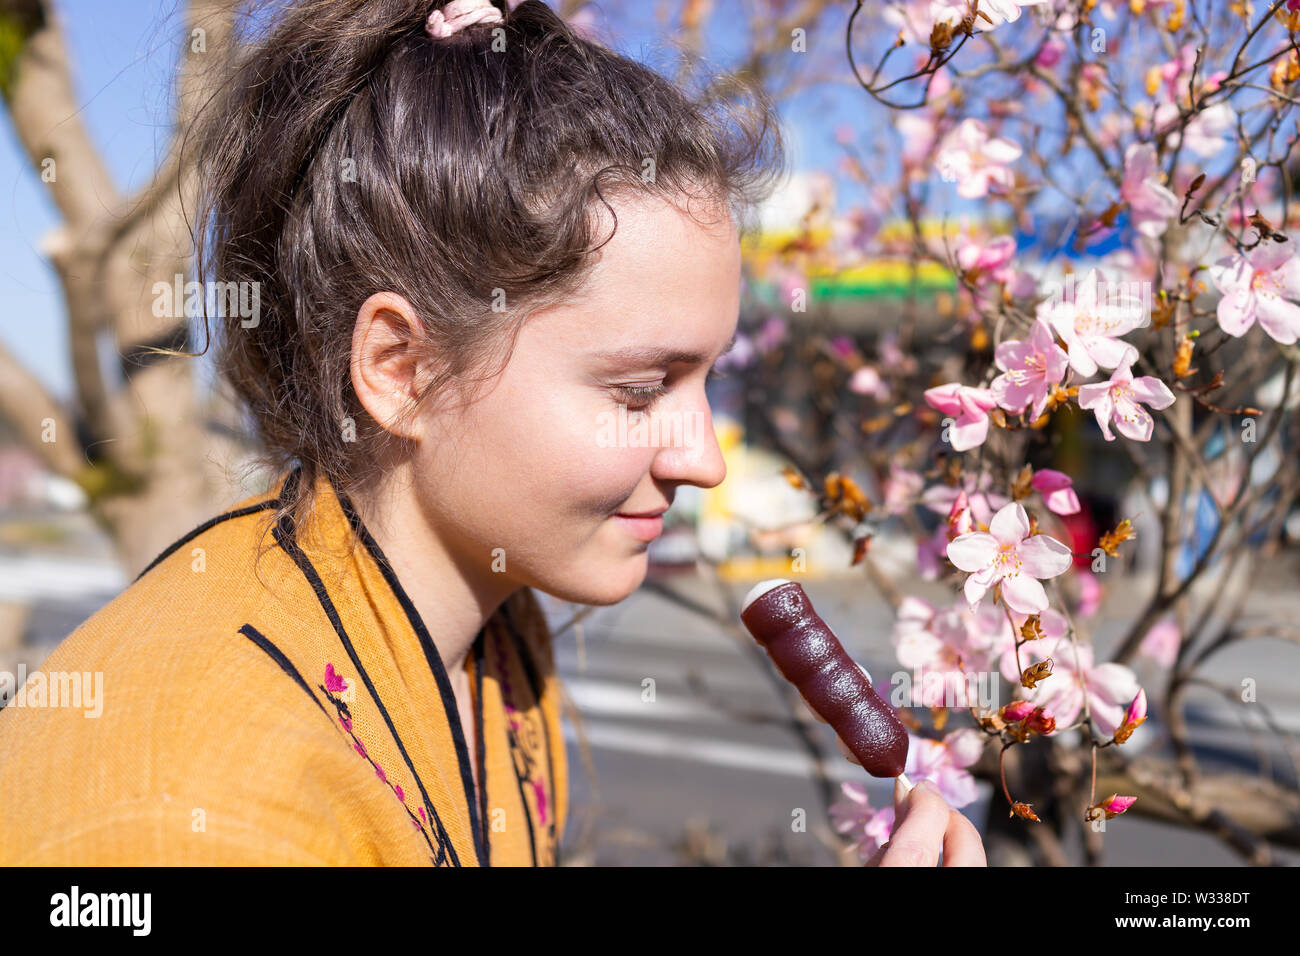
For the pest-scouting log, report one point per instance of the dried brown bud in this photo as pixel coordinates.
(1036, 672)
(1183, 358)
(1111, 540)
(1024, 811)
(1031, 630)
(1023, 486)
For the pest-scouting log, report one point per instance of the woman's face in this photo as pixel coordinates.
(527, 481)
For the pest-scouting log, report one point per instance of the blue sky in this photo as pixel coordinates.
(124, 52)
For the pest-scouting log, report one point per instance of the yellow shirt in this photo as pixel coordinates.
(266, 702)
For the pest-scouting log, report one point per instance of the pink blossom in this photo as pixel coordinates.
(992, 264)
(1114, 805)
(991, 257)
(1033, 718)
(944, 763)
(1258, 287)
(901, 488)
(1003, 635)
(971, 406)
(1134, 717)
(913, 641)
(915, 19)
(1090, 321)
(895, 358)
(983, 502)
(953, 638)
(1118, 400)
(1030, 370)
(1151, 203)
(989, 634)
(918, 135)
(936, 645)
(1051, 53)
(1057, 490)
(1090, 592)
(930, 553)
(1161, 643)
(959, 520)
(1205, 134)
(1110, 687)
(867, 381)
(1009, 554)
(853, 816)
(976, 161)
(1002, 11)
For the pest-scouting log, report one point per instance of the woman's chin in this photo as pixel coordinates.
(600, 583)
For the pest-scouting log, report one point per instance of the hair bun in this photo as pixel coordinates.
(449, 19)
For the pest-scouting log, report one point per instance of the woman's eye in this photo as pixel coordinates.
(637, 398)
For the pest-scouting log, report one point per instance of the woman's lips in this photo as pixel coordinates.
(643, 529)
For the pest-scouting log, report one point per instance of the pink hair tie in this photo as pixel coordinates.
(459, 14)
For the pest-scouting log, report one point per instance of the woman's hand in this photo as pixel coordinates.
(923, 826)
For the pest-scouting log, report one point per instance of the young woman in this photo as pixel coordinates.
(476, 236)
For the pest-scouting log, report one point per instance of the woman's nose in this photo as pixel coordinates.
(691, 453)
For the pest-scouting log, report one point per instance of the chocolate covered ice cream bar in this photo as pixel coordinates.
(806, 652)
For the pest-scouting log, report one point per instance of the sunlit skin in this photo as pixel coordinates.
(519, 476)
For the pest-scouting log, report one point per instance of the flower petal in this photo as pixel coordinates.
(1044, 557)
(1152, 391)
(973, 551)
(1024, 594)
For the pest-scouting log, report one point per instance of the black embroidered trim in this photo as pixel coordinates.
(530, 670)
(284, 537)
(479, 647)
(277, 655)
(477, 826)
(207, 526)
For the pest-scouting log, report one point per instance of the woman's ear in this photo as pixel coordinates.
(387, 356)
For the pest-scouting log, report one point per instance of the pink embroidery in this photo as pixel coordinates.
(333, 682)
(540, 792)
(516, 722)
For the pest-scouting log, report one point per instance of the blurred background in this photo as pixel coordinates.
(838, 313)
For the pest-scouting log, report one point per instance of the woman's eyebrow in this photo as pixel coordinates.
(656, 355)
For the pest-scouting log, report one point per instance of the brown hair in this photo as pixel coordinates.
(349, 153)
